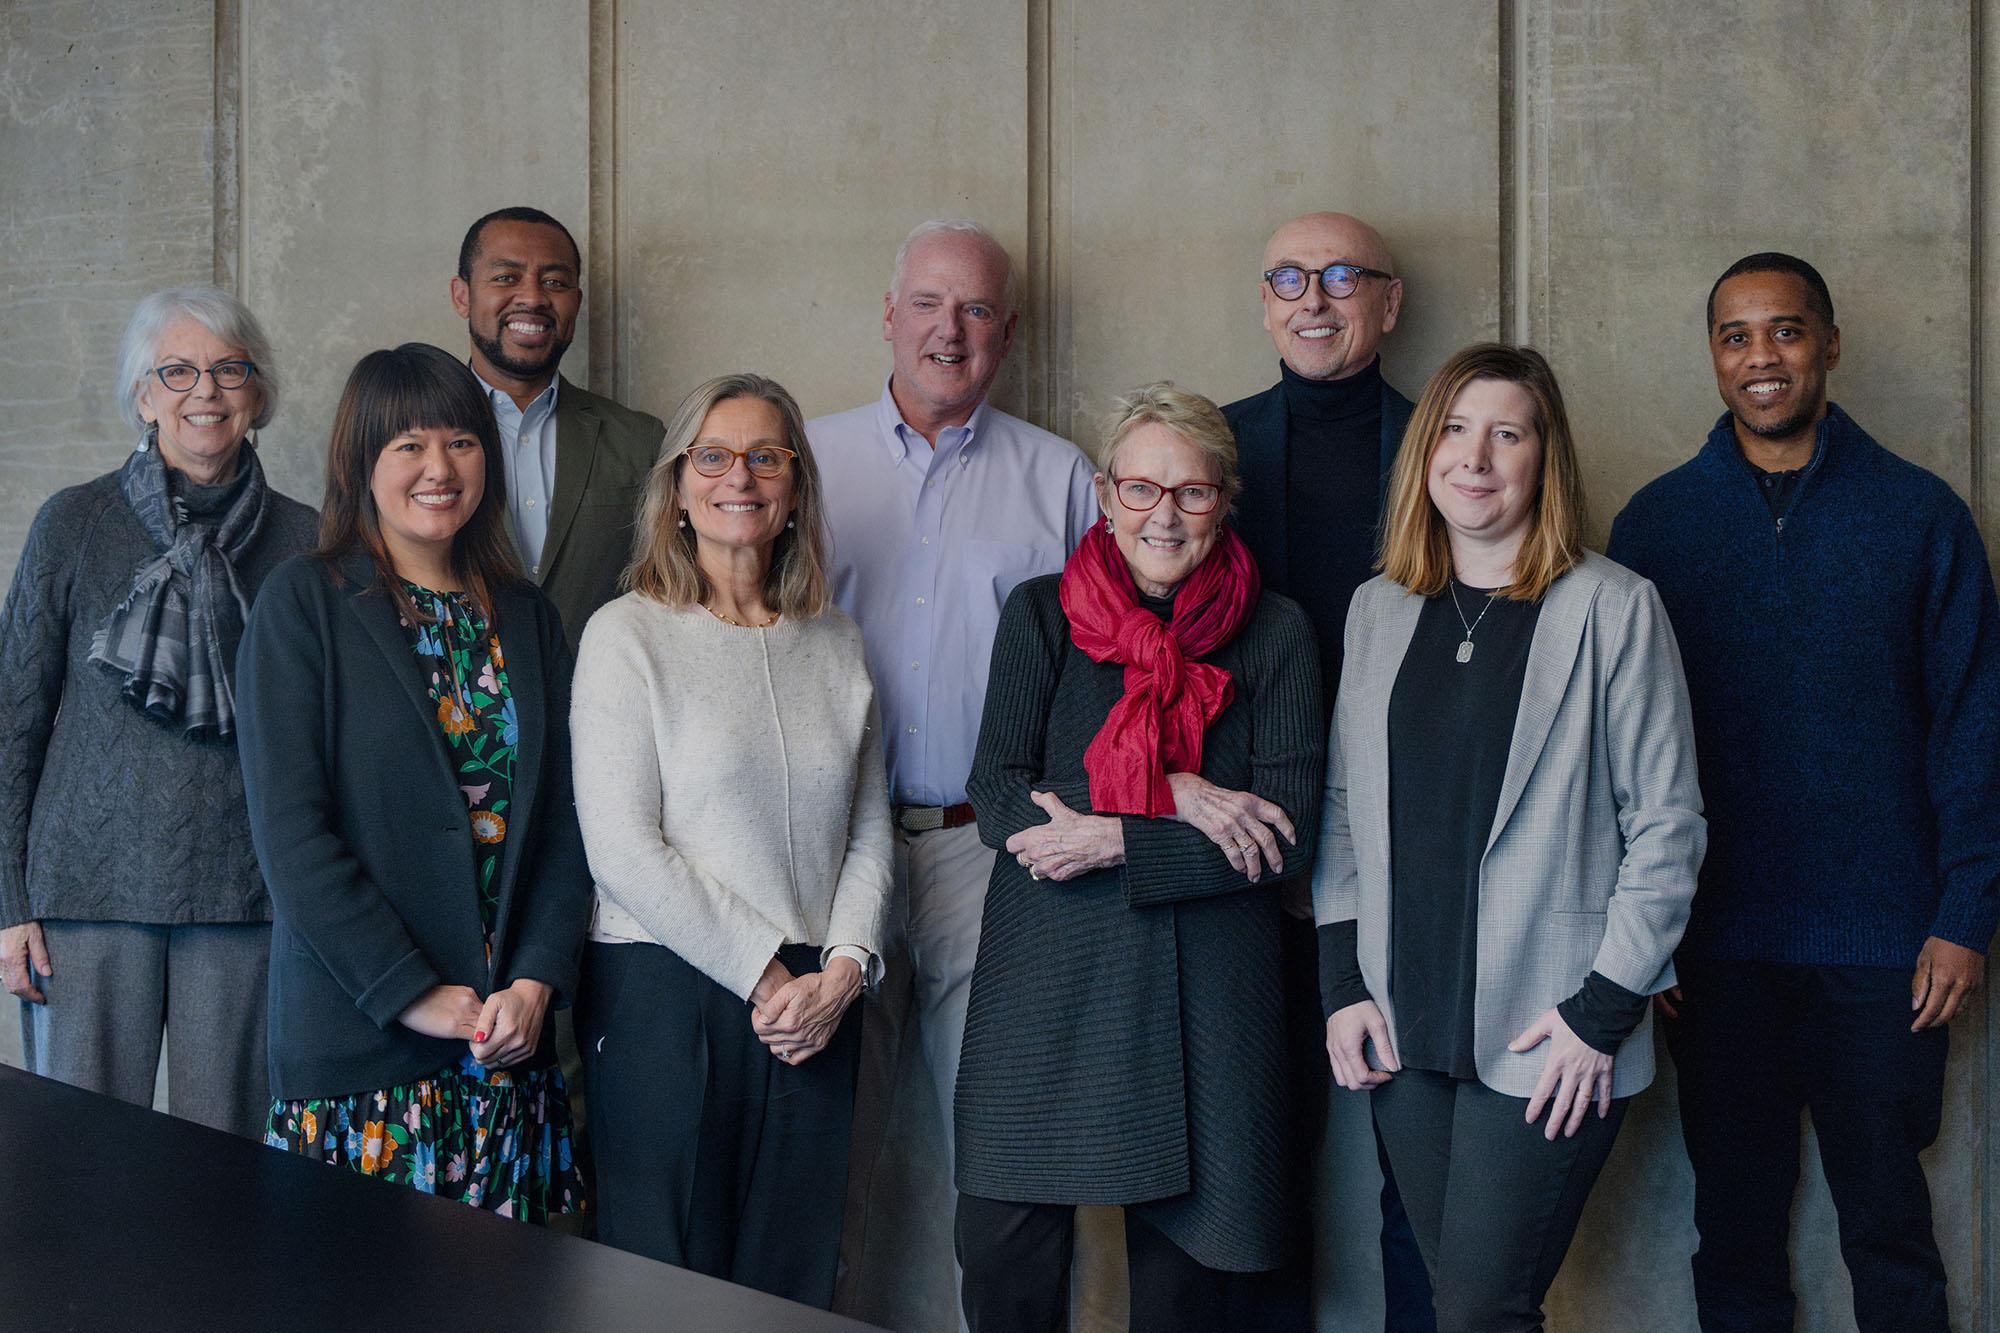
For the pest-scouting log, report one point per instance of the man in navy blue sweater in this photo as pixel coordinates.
(1837, 620)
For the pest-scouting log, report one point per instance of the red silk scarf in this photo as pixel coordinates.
(1169, 700)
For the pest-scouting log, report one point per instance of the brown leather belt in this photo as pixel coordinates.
(925, 818)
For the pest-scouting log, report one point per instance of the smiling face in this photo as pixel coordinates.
(949, 326)
(1161, 545)
(1485, 474)
(200, 430)
(1772, 354)
(520, 303)
(428, 482)
(736, 511)
(1317, 336)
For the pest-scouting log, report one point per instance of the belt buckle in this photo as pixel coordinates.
(920, 818)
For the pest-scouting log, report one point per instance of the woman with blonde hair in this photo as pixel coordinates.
(1510, 839)
(736, 815)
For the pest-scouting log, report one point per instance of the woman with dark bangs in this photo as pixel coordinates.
(409, 793)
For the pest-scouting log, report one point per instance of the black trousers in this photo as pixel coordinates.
(1016, 1256)
(712, 1154)
(1493, 1203)
(1755, 1044)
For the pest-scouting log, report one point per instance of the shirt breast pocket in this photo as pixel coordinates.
(1006, 564)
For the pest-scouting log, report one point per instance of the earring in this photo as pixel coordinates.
(791, 523)
(684, 520)
(1107, 524)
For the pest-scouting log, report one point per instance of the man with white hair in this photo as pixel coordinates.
(938, 505)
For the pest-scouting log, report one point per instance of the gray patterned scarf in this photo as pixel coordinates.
(174, 636)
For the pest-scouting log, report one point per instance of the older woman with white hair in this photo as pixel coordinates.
(729, 780)
(1150, 760)
(130, 900)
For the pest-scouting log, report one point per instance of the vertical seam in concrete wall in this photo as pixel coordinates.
(1533, 27)
(1509, 276)
(226, 152)
(605, 365)
(1051, 177)
(241, 279)
(1039, 398)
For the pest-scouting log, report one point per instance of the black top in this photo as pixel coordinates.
(1451, 724)
(1125, 1036)
(362, 830)
(1777, 488)
(1332, 477)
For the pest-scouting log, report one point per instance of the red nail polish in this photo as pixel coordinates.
(479, 1036)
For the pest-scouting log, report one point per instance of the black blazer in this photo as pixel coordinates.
(1261, 452)
(360, 828)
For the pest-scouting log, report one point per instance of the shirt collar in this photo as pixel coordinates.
(898, 436)
(500, 397)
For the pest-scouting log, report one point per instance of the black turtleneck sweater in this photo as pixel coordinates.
(1332, 500)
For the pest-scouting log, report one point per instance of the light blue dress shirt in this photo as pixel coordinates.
(528, 443)
(926, 546)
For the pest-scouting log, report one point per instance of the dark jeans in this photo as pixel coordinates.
(712, 1154)
(1406, 1288)
(1285, 1302)
(1493, 1203)
(1755, 1044)
(1016, 1261)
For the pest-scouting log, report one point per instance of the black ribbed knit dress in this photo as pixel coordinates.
(1124, 1042)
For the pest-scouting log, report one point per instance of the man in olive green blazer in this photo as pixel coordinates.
(576, 462)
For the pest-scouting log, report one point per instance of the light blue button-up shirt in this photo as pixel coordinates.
(926, 546)
(528, 443)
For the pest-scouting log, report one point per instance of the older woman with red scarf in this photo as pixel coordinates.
(1150, 758)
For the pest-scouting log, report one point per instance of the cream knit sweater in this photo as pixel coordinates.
(730, 785)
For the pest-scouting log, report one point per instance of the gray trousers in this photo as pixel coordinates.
(118, 985)
(900, 1158)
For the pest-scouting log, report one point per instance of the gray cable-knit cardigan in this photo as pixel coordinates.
(105, 814)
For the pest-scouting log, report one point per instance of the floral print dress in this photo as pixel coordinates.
(498, 1139)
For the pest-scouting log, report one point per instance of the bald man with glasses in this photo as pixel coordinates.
(1315, 451)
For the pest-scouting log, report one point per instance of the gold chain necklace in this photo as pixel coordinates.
(732, 620)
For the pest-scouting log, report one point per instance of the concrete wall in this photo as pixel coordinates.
(1571, 172)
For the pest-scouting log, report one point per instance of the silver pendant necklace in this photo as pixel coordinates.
(1465, 648)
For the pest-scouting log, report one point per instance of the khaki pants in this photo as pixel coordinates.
(898, 1265)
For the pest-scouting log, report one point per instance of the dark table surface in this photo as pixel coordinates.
(113, 1217)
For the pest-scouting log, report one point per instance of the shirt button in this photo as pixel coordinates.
(925, 540)
(535, 571)
(916, 666)
(920, 601)
(912, 729)
(530, 503)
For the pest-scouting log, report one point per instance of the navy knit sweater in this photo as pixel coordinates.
(1844, 666)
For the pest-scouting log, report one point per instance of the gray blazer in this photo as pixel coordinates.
(1591, 862)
